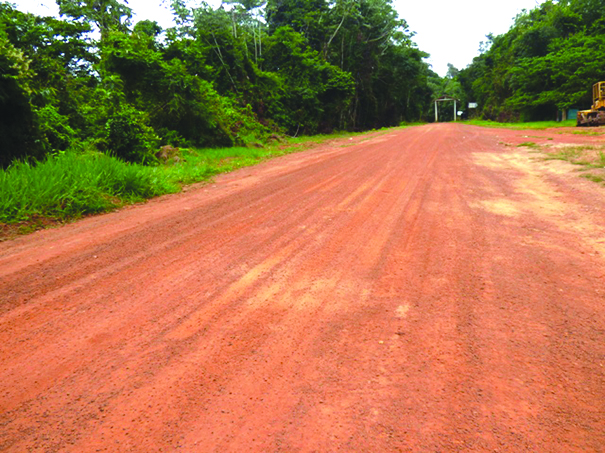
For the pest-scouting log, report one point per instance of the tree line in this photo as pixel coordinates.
(232, 75)
(547, 61)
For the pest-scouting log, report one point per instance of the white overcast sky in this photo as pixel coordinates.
(449, 30)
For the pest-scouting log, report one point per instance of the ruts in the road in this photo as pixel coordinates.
(434, 288)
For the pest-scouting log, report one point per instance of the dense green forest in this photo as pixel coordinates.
(250, 69)
(220, 77)
(546, 62)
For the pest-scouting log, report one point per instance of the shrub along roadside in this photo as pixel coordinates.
(70, 185)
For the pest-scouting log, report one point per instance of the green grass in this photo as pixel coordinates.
(70, 185)
(589, 131)
(320, 138)
(585, 155)
(539, 125)
(591, 159)
(594, 178)
(528, 145)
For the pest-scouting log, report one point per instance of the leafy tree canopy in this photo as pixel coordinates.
(231, 75)
(547, 61)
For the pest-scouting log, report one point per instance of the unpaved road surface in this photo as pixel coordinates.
(428, 289)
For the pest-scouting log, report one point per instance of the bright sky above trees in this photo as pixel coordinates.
(450, 30)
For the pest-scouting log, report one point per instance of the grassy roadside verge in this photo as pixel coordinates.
(539, 125)
(70, 185)
(589, 158)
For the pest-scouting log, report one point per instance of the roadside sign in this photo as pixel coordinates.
(472, 105)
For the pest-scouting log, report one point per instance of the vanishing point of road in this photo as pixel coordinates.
(428, 289)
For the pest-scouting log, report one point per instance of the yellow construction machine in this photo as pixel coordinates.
(596, 115)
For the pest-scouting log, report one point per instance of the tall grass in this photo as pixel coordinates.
(70, 185)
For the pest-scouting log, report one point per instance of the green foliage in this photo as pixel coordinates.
(564, 83)
(304, 16)
(176, 102)
(54, 127)
(546, 62)
(446, 86)
(129, 138)
(43, 61)
(17, 128)
(105, 14)
(69, 185)
(313, 91)
(147, 27)
(371, 43)
(229, 76)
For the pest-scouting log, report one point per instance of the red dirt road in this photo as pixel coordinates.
(429, 289)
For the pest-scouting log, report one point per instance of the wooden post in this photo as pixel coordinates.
(455, 110)
(436, 113)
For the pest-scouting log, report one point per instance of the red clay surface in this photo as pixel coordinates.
(428, 289)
